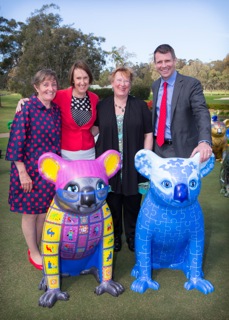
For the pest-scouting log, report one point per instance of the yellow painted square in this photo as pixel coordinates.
(49, 248)
(51, 264)
(51, 232)
(106, 210)
(108, 241)
(55, 216)
(107, 257)
(53, 282)
(108, 226)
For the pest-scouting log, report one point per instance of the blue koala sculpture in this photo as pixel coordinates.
(170, 225)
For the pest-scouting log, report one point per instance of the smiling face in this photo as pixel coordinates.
(46, 90)
(81, 82)
(165, 64)
(121, 84)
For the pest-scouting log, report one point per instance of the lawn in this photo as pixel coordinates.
(19, 281)
(7, 109)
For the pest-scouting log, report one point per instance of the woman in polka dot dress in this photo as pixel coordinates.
(36, 129)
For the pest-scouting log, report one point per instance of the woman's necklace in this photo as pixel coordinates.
(121, 108)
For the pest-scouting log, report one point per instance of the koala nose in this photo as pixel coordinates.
(181, 192)
(87, 196)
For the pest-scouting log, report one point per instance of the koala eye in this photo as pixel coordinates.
(166, 184)
(73, 188)
(100, 185)
(192, 184)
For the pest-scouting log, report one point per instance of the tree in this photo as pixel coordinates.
(119, 56)
(10, 47)
(47, 44)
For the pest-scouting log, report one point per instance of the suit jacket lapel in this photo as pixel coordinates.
(177, 88)
(155, 95)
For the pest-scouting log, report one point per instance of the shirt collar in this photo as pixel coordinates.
(171, 80)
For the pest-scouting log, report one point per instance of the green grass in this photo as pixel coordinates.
(19, 281)
(7, 109)
(216, 99)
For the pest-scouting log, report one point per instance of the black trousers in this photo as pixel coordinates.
(124, 209)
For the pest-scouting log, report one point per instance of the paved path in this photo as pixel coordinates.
(4, 135)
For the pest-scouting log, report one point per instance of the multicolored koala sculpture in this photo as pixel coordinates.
(170, 225)
(78, 231)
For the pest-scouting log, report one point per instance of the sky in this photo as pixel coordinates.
(196, 29)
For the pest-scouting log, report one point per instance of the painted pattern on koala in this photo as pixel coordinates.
(170, 225)
(78, 231)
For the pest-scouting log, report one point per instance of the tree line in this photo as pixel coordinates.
(44, 42)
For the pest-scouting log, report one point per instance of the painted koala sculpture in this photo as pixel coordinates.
(219, 139)
(78, 231)
(170, 225)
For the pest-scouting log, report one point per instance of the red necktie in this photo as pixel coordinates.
(162, 118)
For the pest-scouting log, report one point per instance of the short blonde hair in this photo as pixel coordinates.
(126, 71)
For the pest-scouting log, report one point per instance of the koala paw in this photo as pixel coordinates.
(142, 284)
(49, 298)
(111, 287)
(135, 271)
(200, 284)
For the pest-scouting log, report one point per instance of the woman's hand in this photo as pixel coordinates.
(26, 181)
(20, 103)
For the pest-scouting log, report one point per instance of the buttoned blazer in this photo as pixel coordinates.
(190, 117)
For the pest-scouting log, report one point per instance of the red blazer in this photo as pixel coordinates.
(74, 137)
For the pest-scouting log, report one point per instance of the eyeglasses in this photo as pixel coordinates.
(120, 81)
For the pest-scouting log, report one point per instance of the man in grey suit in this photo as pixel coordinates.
(188, 122)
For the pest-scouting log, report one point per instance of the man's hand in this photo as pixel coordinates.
(205, 151)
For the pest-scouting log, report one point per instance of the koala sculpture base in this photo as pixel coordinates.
(78, 231)
(170, 225)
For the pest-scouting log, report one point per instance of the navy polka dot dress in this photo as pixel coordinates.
(34, 131)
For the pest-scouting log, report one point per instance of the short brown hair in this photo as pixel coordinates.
(42, 74)
(80, 65)
(127, 72)
(165, 48)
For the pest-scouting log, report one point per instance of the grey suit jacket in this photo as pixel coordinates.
(190, 117)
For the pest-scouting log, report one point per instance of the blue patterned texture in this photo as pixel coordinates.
(170, 225)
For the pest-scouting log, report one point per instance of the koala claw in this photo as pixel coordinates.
(200, 284)
(49, 298)
(94, 271)
(135, 272)
(142, 284)
(111, 287)
(42, 284)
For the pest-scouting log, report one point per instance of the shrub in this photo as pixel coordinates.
(103, 92)
(141, 92)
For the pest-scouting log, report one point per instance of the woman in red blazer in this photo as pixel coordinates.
(78, 113)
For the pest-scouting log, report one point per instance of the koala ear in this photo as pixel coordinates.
(207, 166)
(49, 166)
(111, 162)
(226, 122)
(144, 162)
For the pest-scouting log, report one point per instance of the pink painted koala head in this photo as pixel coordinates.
(81, 185)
